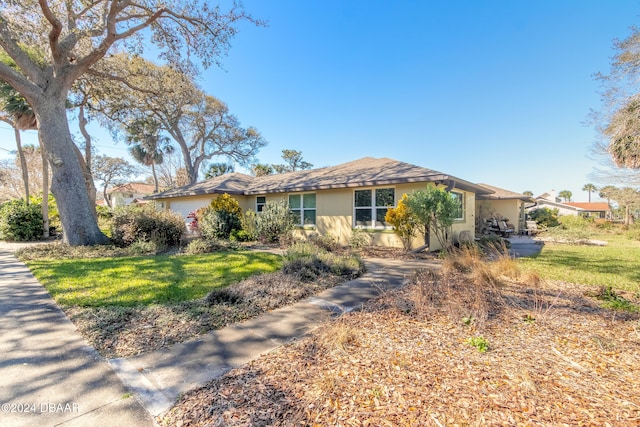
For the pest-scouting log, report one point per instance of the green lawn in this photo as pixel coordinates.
(616, 265)
(161, 279)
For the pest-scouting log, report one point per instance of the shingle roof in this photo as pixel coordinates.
(231, 183)
(502, 194)
(133, 187)
(367, 171)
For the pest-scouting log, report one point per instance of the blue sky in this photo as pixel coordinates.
(489, 91)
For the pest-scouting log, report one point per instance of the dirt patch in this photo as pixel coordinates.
(553, 356)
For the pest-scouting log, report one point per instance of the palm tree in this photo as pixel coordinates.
(589, 188)
(566, 195)
(148, 145)
(18, 114)
(217, 169)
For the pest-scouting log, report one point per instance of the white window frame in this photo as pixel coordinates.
(373, 209)
(302, 209)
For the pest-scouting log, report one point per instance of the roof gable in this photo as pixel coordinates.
(133, 187)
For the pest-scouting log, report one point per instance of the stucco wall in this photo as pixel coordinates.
(509, 209)
(335, 210)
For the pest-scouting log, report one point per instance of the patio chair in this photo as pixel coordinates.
(532, 228)
(505, 230)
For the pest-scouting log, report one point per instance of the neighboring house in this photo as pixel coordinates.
(130, 193)
(333, 200)
(593, 209)
(502, 203)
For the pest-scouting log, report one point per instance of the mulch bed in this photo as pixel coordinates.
(555, 357)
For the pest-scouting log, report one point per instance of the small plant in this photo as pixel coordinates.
(479, 342)
(468, 320)
(615, 301)
(142, 247)
(359, 239)
(201, 246)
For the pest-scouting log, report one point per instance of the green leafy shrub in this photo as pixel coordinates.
(218, 224)
(201, 246)
(20, 221)
(360, 239)
(573, 229)
(248, 223)
(240, 236)
(274, 222)
(327, 242)
(131, 223)
(545, 217)
(142, 247)
(220, 218)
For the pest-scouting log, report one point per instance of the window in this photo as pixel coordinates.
(371, 207)
(261, 201)
(303, 207)
(459, 198)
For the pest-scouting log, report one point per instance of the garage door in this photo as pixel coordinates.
(187, 206)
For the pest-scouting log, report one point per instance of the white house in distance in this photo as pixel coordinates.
(130, 193)
(549, 200)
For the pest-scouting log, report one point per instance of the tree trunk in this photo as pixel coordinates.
(155, 176)
(79, 225)
(23, 164)
(86, 161)
(106, 197)
(45, 193)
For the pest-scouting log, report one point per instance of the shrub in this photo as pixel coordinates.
(360, 239)
(248, 222)
(404, 222)
(19, 221)
(202, 246)
(220, 218)
(545, 217)
(132, 223)
(274, 222)
(215, 224)
(142, 247)
(573, 229)
(327, 242)
(240, 236)
(309, 262)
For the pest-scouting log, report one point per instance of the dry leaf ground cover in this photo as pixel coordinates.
(466, 346)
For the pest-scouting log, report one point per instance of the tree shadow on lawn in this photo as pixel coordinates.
(128, 282)
(577, 263)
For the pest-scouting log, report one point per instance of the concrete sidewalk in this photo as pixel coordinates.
(159, 377)
(49, 375)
